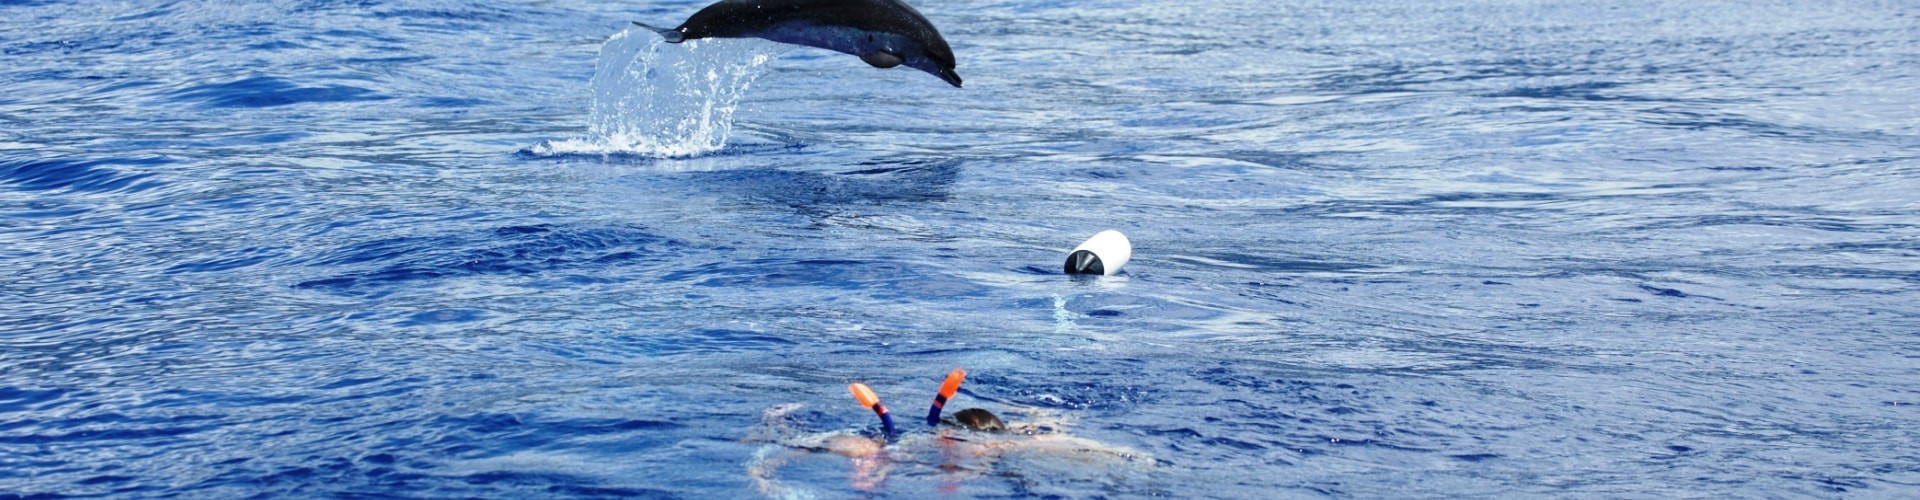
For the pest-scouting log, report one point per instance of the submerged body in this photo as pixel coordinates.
(970, 445)
(884, 33)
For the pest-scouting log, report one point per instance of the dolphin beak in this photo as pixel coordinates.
(950, 77)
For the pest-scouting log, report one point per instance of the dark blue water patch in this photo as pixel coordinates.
(489, 434)
(1804, 221)
(20, 399)
(334, 37)
(64, 46)
(556, 483)
(592, 426)
(163, 10)
(1674, 293)
(477, 14)
(453, 102)
(258, 139)
(313, 6)
(105, 479)
(1664, 292)
(445, 316)
(1690, 120)
(361, 62)
(806, 190)
(228, 261)
(27, 48)
(831, 273)
(119, 85)
(1265, 263)
(1475, 457)
(698, 340)
(1103, 308)
(467, 11)
(348, 382)
(267, 91)
(1404, 76)
(275, 45)
(1275, 390)
(122, 430)
(1483, 202)
(1038, 270)
(1584, 91)
(1242, 445)
(510, 250)
(1180, 433)
(1591, 91)
(908, 279)
(87, 175)
(1829, 483)
(911, 165)
(581, 490)
(1282, 160)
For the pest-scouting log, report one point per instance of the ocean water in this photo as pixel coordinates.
(1381, 249)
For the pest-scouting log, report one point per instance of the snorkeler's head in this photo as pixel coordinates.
(979, 420)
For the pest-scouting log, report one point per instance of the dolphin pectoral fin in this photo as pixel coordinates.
(671, 35)
(882, 59)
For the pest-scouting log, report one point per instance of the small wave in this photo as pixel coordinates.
(512, 250)
(266, 91)
(84, 175)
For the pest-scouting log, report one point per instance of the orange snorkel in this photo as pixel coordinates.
(871, 401)
(947, 389)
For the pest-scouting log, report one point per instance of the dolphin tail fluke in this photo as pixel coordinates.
(672, 36)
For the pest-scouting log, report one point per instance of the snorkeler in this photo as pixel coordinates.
(970, 444)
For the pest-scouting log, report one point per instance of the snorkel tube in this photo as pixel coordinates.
(871, 401)
(946, 392)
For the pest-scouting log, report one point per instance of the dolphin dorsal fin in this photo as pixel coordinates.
(671, 35)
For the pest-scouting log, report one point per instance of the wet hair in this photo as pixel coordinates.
(979, 420)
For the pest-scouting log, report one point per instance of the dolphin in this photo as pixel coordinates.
(884, 33)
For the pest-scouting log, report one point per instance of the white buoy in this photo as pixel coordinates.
(1103, 254)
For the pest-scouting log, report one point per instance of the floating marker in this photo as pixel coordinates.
(1103, 254)
(872, 401)
(947, 389)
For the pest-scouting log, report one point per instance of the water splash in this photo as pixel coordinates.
(654, 98)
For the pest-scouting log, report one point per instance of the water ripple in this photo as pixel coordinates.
(1523, 248)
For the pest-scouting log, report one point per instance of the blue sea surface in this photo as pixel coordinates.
(1459, 248)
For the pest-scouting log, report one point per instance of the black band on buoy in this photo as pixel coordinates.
(1085, 262)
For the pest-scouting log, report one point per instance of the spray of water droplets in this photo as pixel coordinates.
(654, 98)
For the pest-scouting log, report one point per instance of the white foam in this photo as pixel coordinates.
(653, 98)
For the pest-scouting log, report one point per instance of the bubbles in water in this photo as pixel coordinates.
(662, 99)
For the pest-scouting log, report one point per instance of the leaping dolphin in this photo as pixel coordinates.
(884, 33)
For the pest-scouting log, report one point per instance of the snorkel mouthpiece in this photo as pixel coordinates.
(947, 389)
(872, 401)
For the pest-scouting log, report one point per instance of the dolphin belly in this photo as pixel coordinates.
(842, 39)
